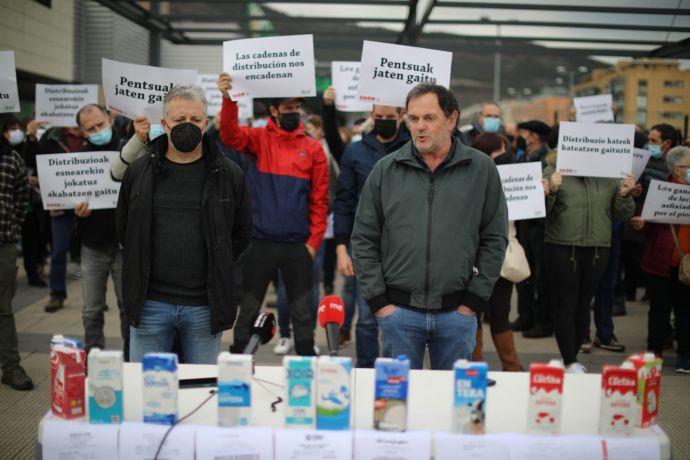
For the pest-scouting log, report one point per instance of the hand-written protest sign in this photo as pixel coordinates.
(68, 179)
(345, 76)
(388, 72)
(523, 190)
(595, 149)
(271, 66)
(667, 203)
(214, 98)
(9, 96)
(58, 104)
(640, 160)
(133, 89)
(594, 108)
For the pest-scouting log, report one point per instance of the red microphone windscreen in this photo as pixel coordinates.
(331, 310)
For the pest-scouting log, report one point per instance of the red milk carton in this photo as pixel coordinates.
(545, 397)
(648, 368)
(67, 375)
(618, 400)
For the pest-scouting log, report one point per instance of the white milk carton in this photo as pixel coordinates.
(333, 393)
(105, 386)
(469, 396)
(390, 393)
(235, 374)
(618, 400)
(160, 388)
(545, 398)
(300, 391)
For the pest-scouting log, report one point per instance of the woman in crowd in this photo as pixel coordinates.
(661, 260)
(494, 145)
(579, 214)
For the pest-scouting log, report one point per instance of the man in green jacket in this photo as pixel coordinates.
(430, 235)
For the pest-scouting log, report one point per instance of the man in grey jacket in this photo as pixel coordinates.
(430, 236)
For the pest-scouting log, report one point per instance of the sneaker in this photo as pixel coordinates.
(538, 332)
(586, 346)
(575, 368)
(53, 305)
(612, 345)
(16, 378)
(345, 337)
(283, 346)
(683, 365)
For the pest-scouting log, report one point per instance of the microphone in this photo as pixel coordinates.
(263, 329)
(331, 317)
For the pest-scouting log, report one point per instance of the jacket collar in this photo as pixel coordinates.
(459, 155)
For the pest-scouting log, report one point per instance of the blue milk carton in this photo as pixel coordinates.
(300, 389)
(333, 393)
(160, 388)
(235, 373)
(469, 396)
(105, 386)
(390, 393)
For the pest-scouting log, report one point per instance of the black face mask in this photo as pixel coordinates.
(385, 128)
(289, 121)
(521, 144)
(185, 137)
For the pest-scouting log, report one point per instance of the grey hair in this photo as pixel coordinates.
(191, 92)
(675, 156)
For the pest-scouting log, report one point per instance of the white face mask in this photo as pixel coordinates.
(16, 136)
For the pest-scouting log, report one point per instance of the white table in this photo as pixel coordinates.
(429, 403)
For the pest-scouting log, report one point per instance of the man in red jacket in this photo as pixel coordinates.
(287, 174)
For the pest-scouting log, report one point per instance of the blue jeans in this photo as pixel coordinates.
(449, 335)
(367, 331)
(158, 324)
(603, 300)
(62, 228)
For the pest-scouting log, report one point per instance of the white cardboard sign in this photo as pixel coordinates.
(595, 149)
(388, 72)
(9, 95)
(667, 203)
(214, 99)
(76, 440)
(214, 442)
(140, 441)
(133, 89)
(640, 160)
(68, 179)
(345, 77)
(313, 445)
(523, 190)
(594, 108)
(271, 66)
(375, 445)
(58, 105)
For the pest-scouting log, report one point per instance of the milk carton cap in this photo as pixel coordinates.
(556, 363)
(402, 358)
(627, 365)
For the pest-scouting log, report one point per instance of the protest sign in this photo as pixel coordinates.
(388, 72)
(345, 77)
(133, 89)
(523, 190)
(595, 149)
(58, 105)
(271, 66)
(640, 160)
(68, 179)
(667, 203)
(9, 96)
(594, 108)
(214, 98)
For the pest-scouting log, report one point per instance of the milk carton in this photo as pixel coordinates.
(390, 393)
(105, 386)
(234, 389)
(545, 397)
(300, 389)
(333, 393)
(160, 388)
(67, 375)
(648, 369)
(59, 339)
(618, 400)
(469, 396)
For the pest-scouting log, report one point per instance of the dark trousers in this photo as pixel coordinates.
(260, 263)
(34, 242)
(631, 258)
(329, 263)
(574, 274)
(532, 293)
(500, 306)
(604, 298)
(62, 229)
(9, 355)
(666, 294)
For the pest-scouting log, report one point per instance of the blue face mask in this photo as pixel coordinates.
(102, 137)
(155, 131)
(491, 124)
(656, 150)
